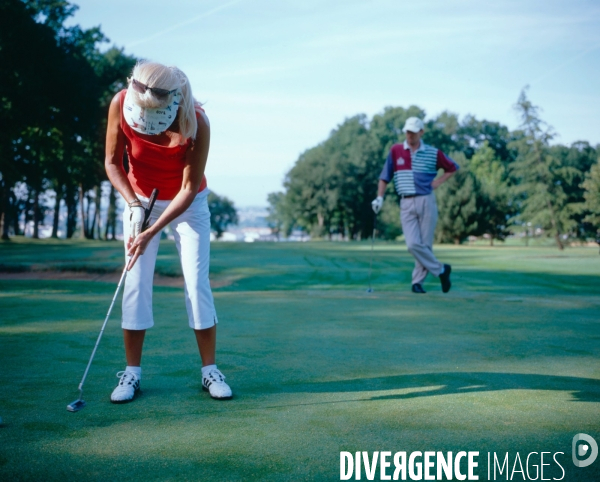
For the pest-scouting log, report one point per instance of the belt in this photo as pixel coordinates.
(405, 196)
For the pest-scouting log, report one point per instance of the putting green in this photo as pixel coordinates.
(505, 362)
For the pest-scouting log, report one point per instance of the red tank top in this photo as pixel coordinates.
(153, 166)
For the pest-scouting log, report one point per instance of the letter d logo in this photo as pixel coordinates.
(580, 450)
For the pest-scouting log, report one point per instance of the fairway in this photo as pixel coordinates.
(505, 362)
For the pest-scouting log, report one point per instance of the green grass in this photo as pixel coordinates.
(506, 362)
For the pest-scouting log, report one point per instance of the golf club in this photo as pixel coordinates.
(80, 403)
(370, 290)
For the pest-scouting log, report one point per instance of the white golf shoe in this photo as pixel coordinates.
(127, 389)
(213, 382)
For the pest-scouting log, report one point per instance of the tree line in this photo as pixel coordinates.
(55, 91)
(509, 182)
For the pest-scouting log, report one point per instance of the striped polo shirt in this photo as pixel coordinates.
(413, 172)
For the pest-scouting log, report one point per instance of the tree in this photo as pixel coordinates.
(110, 232)
(112, 69)
(310, 193)
(388, 219)
(355, 164)
(35, 151)
(541, 175)
(330, 188)
(54, 96)
(280, 218)
(506, 178)
(591, 184)
(222, 213)
(579, 158)
(30, 62)
(443, 133)
(473, 133)
(495, 192)
(461, 206)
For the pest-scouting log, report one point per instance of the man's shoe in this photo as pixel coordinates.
(127, 389)
(213, 382)
(417, 288)
(445, 278)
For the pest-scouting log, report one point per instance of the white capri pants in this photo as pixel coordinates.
(192, 237)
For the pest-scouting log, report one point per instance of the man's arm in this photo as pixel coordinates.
(387, 173)
(442, 179)
(384, 178)
(448, 165)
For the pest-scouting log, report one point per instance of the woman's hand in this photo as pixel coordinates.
(137, 246)
(136, 219)
(193, 172)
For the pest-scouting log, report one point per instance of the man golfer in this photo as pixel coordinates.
(413, 165)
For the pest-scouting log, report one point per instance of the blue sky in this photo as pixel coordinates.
(277, 76)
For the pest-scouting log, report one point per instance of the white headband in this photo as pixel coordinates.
(150, 121)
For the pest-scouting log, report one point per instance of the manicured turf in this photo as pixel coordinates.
(506, 362)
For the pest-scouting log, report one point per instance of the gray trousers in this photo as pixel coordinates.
(418, 216)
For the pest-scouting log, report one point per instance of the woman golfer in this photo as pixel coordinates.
(166, 135)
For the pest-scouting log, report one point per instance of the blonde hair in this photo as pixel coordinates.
(157, 75)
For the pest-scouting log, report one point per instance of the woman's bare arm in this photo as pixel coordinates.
(115, 146)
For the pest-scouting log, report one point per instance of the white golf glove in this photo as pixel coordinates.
(136, 219)
(377, 203)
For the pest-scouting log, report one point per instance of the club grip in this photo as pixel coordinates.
(148, 210)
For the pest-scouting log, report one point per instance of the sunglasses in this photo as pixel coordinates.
(142, 88)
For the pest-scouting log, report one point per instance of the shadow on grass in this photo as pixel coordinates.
(413, 386)
(453, 383)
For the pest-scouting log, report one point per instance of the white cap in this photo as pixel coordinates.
(413, 124)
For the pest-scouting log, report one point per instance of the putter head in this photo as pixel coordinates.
(76, 406)
(370, 290)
